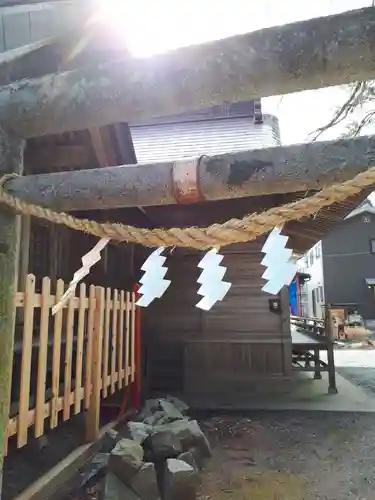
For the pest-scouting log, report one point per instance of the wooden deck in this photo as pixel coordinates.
(309, 338)
(304, 338)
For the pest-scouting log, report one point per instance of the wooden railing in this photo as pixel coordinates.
(322, 330)
(312, 326)
(67, 363)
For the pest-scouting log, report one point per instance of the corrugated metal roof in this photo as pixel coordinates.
(235, 109)
(171, 141)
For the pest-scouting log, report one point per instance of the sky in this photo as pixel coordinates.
(158, 26)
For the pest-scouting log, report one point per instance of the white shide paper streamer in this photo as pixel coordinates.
(88, 260)
(281, 269)
(153, 283)
(213, 288)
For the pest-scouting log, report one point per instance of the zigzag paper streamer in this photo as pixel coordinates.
(88, 260)
(281, 269)
(153, 283)
(213, 288)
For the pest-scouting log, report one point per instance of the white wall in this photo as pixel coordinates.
(312, 263)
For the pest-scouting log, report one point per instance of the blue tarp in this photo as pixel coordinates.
(293, 298)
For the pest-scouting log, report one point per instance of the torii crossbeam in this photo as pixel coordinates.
(234, 175)
(306, 55)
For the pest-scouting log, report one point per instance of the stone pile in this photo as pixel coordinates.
(157, 456)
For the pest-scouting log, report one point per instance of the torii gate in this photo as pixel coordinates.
(307, 55)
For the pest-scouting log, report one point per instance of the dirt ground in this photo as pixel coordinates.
(291, 456)
(288, 456)
(24, 466)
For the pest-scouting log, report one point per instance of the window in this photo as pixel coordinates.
(321, 294)
(317, 250)
(307, 260)
(372, 246)
(312, 257)
(313, 299)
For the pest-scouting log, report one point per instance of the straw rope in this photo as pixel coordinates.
(217, 235)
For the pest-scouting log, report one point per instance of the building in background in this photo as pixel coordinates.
(342, 267)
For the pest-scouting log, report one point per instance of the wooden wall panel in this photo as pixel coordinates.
(218, 367)
(239, 343)
(174, 316)
(243, 315)
(245, 311)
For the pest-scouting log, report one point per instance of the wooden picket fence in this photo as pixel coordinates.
(83, 354)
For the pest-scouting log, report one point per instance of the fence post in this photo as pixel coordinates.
(93, 412)
(11, 162)
(137, 380)
(332, 388)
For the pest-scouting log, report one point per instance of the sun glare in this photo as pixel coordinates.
(149, 26)
(152, 26)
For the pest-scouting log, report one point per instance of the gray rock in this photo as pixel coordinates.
(114, 489)
(159, 417)
(201, 440)
(112, 434)
(171, 411)
(96, 468)
(110, 439)
(139, 431)
(180, 481)
(125, 460)
(180, 405)
(159, 411)
(149, 408)
(42, 442)
(188, 457)
(189, 434)
(199, 460)
(168, 413)
(161, 445)
(145, 483)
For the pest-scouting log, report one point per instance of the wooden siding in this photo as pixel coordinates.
(240, 342)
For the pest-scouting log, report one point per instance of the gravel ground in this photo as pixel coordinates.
(291, 456)
(265, 456)
(287, 456)
(364, 377)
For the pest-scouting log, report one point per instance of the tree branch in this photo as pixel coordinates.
(342, 113)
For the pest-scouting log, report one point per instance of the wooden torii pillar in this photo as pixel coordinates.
(307, 55)
(11, 161)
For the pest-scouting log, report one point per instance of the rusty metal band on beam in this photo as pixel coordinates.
(185, 178)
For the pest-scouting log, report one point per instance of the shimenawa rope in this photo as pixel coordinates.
(217, 235)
